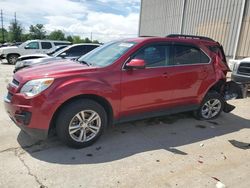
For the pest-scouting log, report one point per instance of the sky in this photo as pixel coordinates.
(105, 19)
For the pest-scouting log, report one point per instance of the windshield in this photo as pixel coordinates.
(106, 54)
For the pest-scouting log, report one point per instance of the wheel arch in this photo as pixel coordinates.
(218, 86)
(12, 54)
(100, 100)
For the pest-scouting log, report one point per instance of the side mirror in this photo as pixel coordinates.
(136, 64)
(63, 55)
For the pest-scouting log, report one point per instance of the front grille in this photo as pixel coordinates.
(15, 82)
(244, 68)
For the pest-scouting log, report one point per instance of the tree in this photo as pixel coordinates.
(77, 39)
(15, 31)
(37, 31)
(5, 32)
(87, 40)
(56, 35)
(96, 42)
(69, 38)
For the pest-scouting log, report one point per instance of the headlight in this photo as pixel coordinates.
(34, 87)
(19, 64)
(235, 67)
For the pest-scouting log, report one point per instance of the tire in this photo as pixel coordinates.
(12, 58)
(211, 107)
(84, 132)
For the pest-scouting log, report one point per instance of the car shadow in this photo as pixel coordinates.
(124, 140)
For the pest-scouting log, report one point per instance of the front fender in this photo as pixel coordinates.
(67, 90)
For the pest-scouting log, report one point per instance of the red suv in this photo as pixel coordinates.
(121, 81)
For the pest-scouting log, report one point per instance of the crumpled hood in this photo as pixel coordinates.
(52, 70)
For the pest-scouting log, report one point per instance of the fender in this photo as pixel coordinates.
(67, 89)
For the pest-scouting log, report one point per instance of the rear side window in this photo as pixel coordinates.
(46, 45)
(88, 48)
(186, 55)
(155, 55)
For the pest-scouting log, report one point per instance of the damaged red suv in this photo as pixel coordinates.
(121, 81)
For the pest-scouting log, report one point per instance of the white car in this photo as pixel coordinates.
(241, 71)
(29, 47)
(70, 52)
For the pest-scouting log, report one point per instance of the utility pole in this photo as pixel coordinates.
(15, 17)
(91, 36)
(2, 25)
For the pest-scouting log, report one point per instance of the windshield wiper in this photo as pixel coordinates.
(84, 62)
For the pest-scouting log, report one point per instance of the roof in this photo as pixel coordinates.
(173, 39)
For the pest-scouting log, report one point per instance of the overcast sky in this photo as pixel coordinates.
(106, 19)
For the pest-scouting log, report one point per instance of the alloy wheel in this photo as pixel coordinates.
(211, 108)
(84, 126)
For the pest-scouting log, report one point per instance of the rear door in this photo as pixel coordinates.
(46, 46)
(190, 72)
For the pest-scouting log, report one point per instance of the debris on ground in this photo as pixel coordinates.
(215, 178)
(201, 126)
(241, 145)
(201, 145)
(98, 148)
(220, 185)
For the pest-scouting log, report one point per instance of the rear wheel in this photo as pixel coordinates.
(80, 123)
(12, 58)
(211, 107)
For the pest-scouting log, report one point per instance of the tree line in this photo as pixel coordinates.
(15, 33)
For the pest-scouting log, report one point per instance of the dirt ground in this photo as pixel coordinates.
(171, 151)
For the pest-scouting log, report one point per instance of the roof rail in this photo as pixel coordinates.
(190, 37)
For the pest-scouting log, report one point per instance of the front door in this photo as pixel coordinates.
(147, 89)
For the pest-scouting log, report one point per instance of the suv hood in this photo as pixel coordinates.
(8, 48)
(50, 69)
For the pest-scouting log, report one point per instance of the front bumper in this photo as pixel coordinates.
(2, 56)
(24, 116)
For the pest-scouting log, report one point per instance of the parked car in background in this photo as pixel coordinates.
(37, 56)
(241, 71)
(70, 52)
(122, 81)
(11, 53)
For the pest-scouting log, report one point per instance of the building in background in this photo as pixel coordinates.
(226, 21)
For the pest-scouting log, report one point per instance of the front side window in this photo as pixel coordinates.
(155, 55)
(32, 45)
(185, 55)
(46, 45)
(107, 54)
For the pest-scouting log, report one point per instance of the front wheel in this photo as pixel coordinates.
(12, 59)
(80, 123)
(211, 106)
